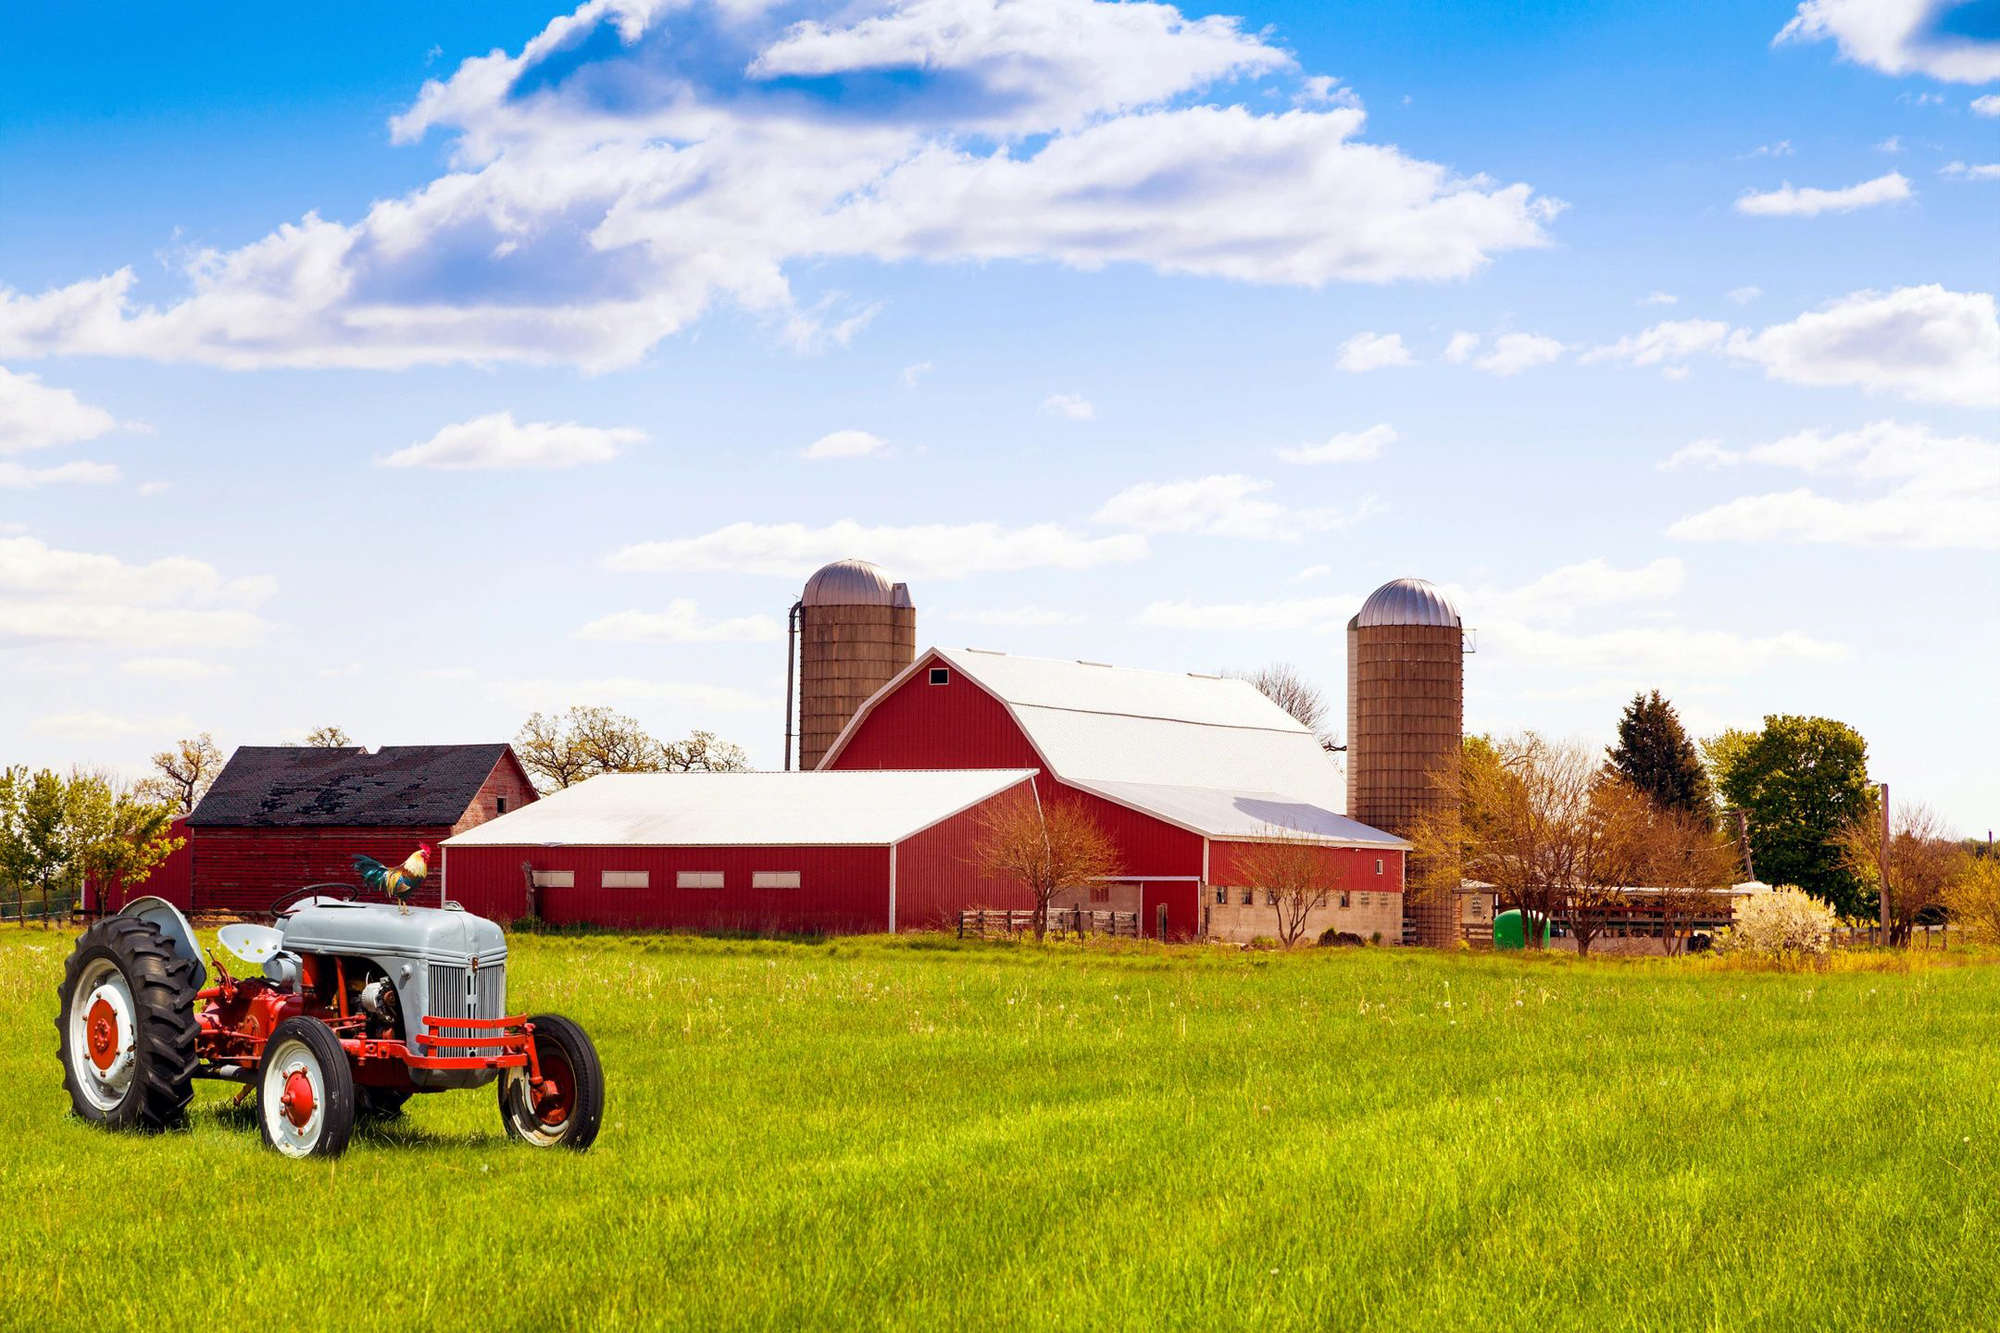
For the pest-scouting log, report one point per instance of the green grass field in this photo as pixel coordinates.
(895, 1134)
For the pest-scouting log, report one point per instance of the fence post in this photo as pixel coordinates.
(1160, 918)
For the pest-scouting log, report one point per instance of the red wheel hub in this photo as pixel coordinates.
(297, 1102)
(101, 1031)
(555, 1095)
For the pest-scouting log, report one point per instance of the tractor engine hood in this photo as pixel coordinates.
(327, 925)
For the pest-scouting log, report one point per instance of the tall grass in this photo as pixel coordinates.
(920, 1134)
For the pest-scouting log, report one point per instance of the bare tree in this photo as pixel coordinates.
(1282, 684)
(328, 738)
(1689, 861)
(563, 750)
(1923, 861)
(1294, 873)
(183, 775)
(1044, 846)
(701, 752)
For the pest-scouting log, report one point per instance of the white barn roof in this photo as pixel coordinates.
(1094, 723)
(1248, 815)
(816, 809)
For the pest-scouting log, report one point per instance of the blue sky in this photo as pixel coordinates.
(416, 372)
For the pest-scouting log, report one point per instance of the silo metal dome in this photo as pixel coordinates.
(850, 583)
(1408, 602)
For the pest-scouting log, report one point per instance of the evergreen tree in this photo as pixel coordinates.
(1655, 755)
(1802, 780)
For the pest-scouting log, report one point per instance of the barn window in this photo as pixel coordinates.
(625, 879)
(1343, 900)
(1378, 865)
(1221, 896)
(499, 805)
(774, 879)
(555, 879)
(1270, 897)
(1249, 897)
(1100, 893)
(698, 879)
(1364, 900)
(940, 675)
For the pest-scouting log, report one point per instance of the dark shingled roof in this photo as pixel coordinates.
(306, 786)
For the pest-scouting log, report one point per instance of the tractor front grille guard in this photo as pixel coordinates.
(501, 1043)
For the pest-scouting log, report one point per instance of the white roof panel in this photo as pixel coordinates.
(1039, 682)
(1220, 813)
(815, 809)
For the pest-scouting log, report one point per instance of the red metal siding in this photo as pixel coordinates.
(172, 879)
(842, 890)
(1354, 868)
(920, 725)
(243, 869)
(936, 876)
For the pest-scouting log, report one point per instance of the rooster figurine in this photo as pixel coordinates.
(400, 883)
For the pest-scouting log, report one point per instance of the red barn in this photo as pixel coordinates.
(1183, 770)
(773, 853)
(280, 817)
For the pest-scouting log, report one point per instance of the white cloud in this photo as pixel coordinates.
(845, 444)
(680, 622)
(175, 668)
(547, 693)
(1016, 617)
(1344, 447)
(1461, 347)
(1782, 148)
(1373, 351)
(635, 164)
(1744, 295)
(1072, 405)
(49, 595)
(1657, 650)
(1231, 505)
(1515, 352)
(929, 550)
(1920, 490)
(1592, 584)
(1659, 298)
(1666, 343)
(1977, 171)
(152, 488)
(1896, 37)
(498, 442)
(98, 722)
(1702, 453)
(19, 477)
(1789, 201)
(1892, 144)
(1323, 615)
(1311, 572)
(1988, 105)
(34, 415)
(1924, 343)
(913, 375)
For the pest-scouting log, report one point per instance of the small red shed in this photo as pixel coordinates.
(769, 853)
(280, 817)
(1182, 769)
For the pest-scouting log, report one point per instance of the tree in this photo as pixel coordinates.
(1688, 861)
(701, 752)
(1554, 833)
(1282, 684)
(117, 834)
(1924, 859)
(1800, 781)
(1655, 755)
(44, 848)
(183, 775)
(1295, 874)
(1044, 846)
(328, 738)
(1973, 897)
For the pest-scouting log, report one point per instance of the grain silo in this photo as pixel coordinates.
(853, 631)
(1405, 717)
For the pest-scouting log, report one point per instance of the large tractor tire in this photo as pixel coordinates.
(126, 1026)
(566, 1110)
(305, 1091)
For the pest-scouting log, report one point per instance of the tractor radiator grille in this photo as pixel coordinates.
(484, 995)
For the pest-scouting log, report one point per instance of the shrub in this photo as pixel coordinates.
(1332, 936)
(1784, 922)
(1973, 898)
(1263, 942)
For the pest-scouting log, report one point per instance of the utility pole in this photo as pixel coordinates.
(1883, 787)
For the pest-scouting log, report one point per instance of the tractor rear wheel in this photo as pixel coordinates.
(305, 1091)
(127, 1026)
(567, 1107)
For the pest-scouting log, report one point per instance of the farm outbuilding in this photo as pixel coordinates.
(1184, 770)
(771, 853)
(283, 816)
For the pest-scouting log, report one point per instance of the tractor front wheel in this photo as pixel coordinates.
(305, 1091)
(127, 1026)
(566, 1107)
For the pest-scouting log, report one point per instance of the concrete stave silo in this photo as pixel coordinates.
(853, 630)
(1405, 719)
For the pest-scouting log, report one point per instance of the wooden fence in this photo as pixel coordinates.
(985, 925)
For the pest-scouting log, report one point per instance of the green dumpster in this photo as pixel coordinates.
(1508, 934)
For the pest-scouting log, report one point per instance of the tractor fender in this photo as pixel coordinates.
(166, 918)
